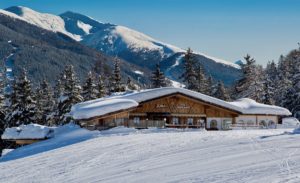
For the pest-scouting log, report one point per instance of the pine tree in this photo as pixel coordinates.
(116, 85)
(158, 78)
(22, 108)
(251, 84)
(210, 86)
(292, 98)
(268, 92)
(71, 95)
(202, 83)
(89, 90)
(101, 91)
(189, 75)
(130, 85)
(257, 87)
(59, 88)
(283, 83)
(45, 103)
(2, 111)
(269, 84)
(221, 92)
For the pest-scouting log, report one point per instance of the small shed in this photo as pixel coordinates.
(27, 134)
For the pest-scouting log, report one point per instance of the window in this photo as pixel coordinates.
(190, 121)
(213, 124)
(201, 122)
(136, 120)
(263, 124)
(271, 124)
(175, 121)
(227, 123)
(250, 123)
(120, 121)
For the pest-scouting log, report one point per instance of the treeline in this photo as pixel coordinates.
(49, 105)
(276, 84)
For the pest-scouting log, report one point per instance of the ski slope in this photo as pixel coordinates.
(129, 155)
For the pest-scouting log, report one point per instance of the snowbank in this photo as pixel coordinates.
(93, 108)
(250, 106)
(62, 136)
(290, 122)
(213, 156)
(31, 131)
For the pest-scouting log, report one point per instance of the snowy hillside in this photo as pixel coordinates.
(129, 155)
(43, 20)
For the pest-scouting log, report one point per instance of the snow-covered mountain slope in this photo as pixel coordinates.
(121, 41)
(128, 44)
(45, 53)
(157, 155)
(12, 15)
(43, 20)
(142, 50)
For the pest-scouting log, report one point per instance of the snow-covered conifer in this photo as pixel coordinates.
(251, 84)
(71, 95)
(116, 84)
(89, 89)
(202, 83)
(158, 78)
(189, 75)
(45, 103)
(23, 105)
(101, 91)
(221, 92)
(130, 85)
(268, 92)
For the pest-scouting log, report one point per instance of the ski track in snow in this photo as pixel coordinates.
(165, 156)
(169, 75)
(8, 64)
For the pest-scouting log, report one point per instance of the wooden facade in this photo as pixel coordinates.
(176, 110)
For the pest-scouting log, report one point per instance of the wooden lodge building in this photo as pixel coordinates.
(176, 108)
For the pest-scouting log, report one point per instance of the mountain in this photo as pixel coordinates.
(132, 46)
(121, 41)
(44, 53)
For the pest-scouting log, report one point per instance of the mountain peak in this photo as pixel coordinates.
(20, 10)
(44, 20)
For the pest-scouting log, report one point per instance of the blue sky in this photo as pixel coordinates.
(226, 29)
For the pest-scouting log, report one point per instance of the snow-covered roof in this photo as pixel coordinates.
(106, 105)
(94, 108)
(31, 131)
(250, 106)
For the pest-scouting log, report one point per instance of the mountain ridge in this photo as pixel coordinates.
(132, 46)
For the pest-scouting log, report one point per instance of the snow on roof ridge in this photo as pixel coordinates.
(91, 109)
(250, 106)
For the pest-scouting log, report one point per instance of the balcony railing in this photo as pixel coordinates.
(184, 126)
(146, 124)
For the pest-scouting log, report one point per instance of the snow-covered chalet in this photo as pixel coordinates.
(174, 108)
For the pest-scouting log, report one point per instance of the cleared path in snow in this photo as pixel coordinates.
(168, 156)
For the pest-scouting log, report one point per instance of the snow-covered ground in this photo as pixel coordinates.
(129, 155)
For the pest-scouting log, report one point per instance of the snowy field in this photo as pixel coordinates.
(128, 155)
